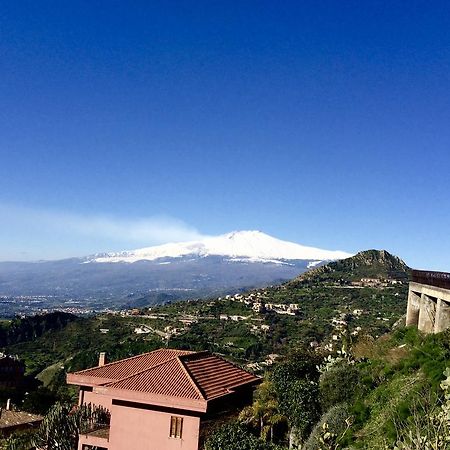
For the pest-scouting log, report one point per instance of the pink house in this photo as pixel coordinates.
(162, 400)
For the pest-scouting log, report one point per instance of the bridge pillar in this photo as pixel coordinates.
(427, 314)
(442, 316)
(412, 313)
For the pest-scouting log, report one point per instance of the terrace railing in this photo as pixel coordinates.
(437, 279)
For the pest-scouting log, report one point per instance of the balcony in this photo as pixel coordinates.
(96, 436)
(437, 279)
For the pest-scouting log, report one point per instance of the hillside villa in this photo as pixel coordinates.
(162, 400)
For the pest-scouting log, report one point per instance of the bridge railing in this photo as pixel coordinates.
(438, 279)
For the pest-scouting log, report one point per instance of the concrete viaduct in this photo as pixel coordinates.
(429, 301)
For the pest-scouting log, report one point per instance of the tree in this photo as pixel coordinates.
(234, 436)
(39, 401)
(264, 413)
(296, 385)
(300, 404)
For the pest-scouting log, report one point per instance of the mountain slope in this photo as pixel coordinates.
(252, 246)
(212, 266)
(366, 264)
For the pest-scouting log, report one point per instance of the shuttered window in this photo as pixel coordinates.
(176, 427)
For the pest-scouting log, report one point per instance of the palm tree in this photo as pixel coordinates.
(264, 414)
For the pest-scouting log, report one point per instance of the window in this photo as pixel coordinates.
(176, 427)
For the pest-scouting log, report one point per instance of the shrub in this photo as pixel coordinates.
(335, 421)
(296, 387)
(233, 436)
(339, 384)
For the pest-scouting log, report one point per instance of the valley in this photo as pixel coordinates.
(341, 325)
(156, 275)
(247, 326)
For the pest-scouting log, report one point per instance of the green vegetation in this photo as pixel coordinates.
(374, 264)
(60, 428)
(56, 343)
(76, 346)
(28, 328)
(346, 374)
(395, 394)
(237, 437)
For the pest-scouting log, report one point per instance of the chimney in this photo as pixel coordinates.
(8, 404)
(102, 359)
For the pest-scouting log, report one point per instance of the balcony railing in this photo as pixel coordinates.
(98, 430)
(437, 279)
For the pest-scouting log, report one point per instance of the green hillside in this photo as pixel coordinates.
(28, 328)
(56, 343)
(360, 399)
(389, 393)
(376, 264)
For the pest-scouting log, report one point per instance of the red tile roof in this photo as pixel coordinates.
(167, 378)
(215, 376)
(174, 373)
(130, 366)
(11, 419)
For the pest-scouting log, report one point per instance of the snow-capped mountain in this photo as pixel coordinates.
(250, 246)
(210, 266)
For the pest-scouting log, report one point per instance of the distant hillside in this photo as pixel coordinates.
(367, 264)
(246, 326)
(30, 328)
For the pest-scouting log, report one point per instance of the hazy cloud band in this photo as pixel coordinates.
(148, 231)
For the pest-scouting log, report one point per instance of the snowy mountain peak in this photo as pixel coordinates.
(249, 245)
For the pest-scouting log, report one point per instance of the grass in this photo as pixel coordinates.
(384, 403)
(397, 370)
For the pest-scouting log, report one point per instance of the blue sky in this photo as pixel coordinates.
(130, 124)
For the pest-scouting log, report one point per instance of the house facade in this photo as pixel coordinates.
(12, 371)
(160, 400)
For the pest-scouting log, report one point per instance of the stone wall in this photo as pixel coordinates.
(428, 308)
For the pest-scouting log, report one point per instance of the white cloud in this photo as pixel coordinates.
(147, 231)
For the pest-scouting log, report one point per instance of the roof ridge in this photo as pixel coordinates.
(133, 357)
(230, 390)
(146, 369)
(190, 377)
(199, 353)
